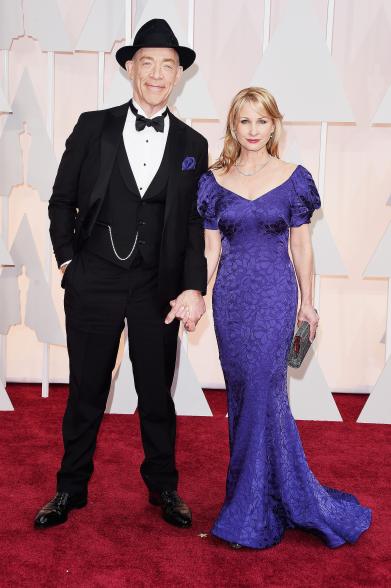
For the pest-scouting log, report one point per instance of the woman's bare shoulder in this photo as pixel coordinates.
(220, 172)
(285, 166)
(222, 175)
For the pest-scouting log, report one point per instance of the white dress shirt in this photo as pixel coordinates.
(144, 149)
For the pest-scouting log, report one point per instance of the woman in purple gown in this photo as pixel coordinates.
(253, 205)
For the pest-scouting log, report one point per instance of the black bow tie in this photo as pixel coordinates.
(141, 121)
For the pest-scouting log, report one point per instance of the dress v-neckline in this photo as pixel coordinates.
(261, 195)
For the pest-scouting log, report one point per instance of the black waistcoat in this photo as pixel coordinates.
(128, 215)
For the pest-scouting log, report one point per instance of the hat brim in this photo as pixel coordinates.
(186, 55)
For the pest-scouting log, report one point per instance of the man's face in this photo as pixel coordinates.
(154, 72)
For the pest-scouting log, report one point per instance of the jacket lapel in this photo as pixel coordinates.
(109, 143)
(176, 152)
(126, 170)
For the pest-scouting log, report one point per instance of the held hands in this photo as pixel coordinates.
(188, 307)
(308, 313)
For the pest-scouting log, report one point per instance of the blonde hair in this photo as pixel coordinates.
(257, 97)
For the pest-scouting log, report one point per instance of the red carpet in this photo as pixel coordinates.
(120, 541)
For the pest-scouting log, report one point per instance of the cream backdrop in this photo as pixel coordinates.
(348, 91)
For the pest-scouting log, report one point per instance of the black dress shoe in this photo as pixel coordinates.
(55, 512)
(174, 510)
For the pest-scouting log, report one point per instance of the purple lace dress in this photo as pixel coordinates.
(269, 485)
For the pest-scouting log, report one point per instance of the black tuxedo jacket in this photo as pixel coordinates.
(81, 184)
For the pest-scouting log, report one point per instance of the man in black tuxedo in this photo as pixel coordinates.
(128, 238)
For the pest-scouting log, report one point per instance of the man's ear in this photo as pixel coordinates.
(178, 74)
(129, 68)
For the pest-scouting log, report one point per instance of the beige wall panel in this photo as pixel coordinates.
(358, 173)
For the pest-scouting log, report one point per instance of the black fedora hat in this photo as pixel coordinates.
(156, 33)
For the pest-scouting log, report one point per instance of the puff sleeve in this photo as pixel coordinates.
(206, 201)
(305, 198)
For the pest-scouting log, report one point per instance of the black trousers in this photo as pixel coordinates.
(98, 297)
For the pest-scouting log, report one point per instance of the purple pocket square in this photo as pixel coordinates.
(188, 163)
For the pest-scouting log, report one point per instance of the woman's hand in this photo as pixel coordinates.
(188, 307)
(308, 313)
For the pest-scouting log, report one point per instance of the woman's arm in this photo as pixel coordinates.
(212, 250)
(301, 249)
(212, 254)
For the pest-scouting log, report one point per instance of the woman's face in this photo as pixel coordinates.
(253, 128)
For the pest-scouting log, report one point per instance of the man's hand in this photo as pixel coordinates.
(188, 307)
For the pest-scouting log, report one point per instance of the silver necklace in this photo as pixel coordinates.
(252, 173)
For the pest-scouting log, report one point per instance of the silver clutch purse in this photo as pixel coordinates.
(300, 345)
